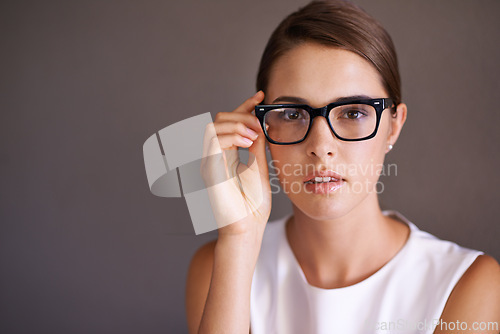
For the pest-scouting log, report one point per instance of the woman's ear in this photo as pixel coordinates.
(397, 122)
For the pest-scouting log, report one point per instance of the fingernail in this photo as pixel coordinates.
(252, 133)
(248, 141)
(256, 94)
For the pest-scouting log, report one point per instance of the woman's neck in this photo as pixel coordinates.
(346, 250)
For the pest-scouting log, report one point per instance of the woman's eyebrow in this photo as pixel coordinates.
(299, 100)
(291, 99)
(352, 98)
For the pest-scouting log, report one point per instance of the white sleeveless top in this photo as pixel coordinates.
(407, 295)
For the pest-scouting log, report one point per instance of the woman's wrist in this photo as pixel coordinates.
(245, 247)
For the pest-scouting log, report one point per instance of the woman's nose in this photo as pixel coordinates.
(321, 141)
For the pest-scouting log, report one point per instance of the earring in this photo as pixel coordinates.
(389, 147)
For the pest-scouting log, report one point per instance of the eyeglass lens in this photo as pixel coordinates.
(351, 121)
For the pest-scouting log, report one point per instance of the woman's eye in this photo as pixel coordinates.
(353, 114)
(291, 114)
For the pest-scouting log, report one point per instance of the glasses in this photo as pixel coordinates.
(355, 120)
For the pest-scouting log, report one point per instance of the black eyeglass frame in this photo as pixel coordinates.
(378, 104)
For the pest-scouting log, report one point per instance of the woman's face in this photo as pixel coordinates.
(319, 75)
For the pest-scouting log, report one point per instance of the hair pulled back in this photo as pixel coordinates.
(340, 24)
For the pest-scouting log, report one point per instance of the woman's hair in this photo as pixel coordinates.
(340, 24)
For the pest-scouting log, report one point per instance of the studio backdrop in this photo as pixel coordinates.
(85, 247)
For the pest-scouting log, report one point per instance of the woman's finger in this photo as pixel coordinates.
(249, 105)
(249, 120)
(232, 141)
(235, 127)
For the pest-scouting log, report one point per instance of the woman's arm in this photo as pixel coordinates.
(474, 304)
(219, 283)
(220, 275)
(198, 284)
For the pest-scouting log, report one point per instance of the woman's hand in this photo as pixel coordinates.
(240, 194)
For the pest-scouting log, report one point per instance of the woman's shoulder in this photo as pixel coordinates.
(424, 244)
(430, 245)
(476, 295)
(465, 282)
(439, 262)
(483, 273)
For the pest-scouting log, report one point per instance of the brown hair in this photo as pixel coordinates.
(335, 23)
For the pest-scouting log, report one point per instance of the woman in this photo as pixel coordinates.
(329, 108)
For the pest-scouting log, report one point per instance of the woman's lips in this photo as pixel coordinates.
(324, 187)
(323, 182)
(324, 173)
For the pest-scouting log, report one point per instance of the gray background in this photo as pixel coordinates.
(86, 248)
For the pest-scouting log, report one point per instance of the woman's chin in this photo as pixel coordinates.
(320, 209)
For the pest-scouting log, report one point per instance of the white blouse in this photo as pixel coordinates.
(407, 295)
